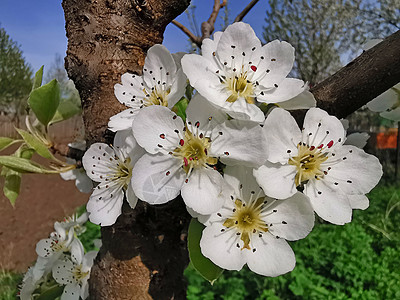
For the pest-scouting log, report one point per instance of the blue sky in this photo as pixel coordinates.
(38, 26)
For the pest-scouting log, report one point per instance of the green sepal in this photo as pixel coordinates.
(44, 101)
(51, 293)
(180, 108)
(203, 265)
(23, 165)
(37, 81)
(35, 144)
(5, 142)
(12, 184)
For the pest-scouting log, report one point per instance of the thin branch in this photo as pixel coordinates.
(192, 37)
(207, 28)
(245, 11)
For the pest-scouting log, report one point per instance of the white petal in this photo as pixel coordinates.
(178, 88)
(105, 204)
(130, 91)
(77, 251)
(158, 178)
(177, 58)
(71, 291)
(321, 128)
(282, 135)
(238, 41)
(123, 120)
(203, 191)
(331, 205)
(200, 110)
(69, 175)
(278, 59)
(88, 260)
(282, 91)
(98, 160)
(384, 101)
(356, 172)
(276, 180)
(154, 127)
(242, 110)
(358, 139)
(125, 141)
(131, 197)
(393, 115)
(358, 201)
(83, 182)
(62, 271)
(220, 247)
(292, 218)
(241, 178)
(305, 100)
(158, 62)
(239, 142)
(272, 257)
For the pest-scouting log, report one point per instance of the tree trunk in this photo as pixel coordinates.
(144, 254)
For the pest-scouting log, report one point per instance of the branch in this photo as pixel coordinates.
(363, 79)
(207, 27)
(245, 11)
(192, 37)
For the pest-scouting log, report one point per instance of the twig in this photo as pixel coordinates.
(245, 11)
(193, 38)
(207, 27)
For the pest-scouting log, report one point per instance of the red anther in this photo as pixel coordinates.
(181, 142)
(190, 158)
(186, 181)
(168, 172)
(197, 124)
(330, 144)
(186, 161)
(312, 148)
(226, 153)
(320, 146)
(201, 135)
(205, 151)
(196, 158)
(162, 135)
(254, 68)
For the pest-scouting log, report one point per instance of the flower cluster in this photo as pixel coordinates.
(61, 261)
(253, 179)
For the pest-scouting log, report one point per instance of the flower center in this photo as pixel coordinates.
(308, 162)
(193, 151)
(122, 171)
(77, 273)
(156, 97)
(240, 86)
(246, 219)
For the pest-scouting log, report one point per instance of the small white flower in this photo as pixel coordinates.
(74, 273)
(235, 71)
(75, 222)
(112, 168)
(162, 83)
(58, 243)
(182, 157)
(82, 181)
(252, 229)
(316, 159)
(388, 104)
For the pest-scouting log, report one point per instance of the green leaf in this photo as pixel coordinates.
(180, 108)
(37, 81)
(12, 184)
(5, 142)
(66, 110)
(203, 265)
(51, 293)
(35, 144)
(44, 101)
(23, 165)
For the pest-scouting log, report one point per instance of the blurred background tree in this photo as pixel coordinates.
(15, 78)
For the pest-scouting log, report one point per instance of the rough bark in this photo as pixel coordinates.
(144, 253)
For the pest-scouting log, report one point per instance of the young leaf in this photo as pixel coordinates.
(44, 101)
(203, 265)
(23, 165)
(180, 108)
(5, 142)
(12, 184)
(66, 110)
(37, 81)
(35, 144)
(52, 293)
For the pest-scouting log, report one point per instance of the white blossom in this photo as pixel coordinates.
(252, 228)
(74, 273)
(162, 83)
(235, 72)
(387, 104)
(58, 243)
(316, 159)
(112, 168)
(182, 157)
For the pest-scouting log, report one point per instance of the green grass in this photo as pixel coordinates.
(8, 285)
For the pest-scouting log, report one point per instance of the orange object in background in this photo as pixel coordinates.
(387, 140)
